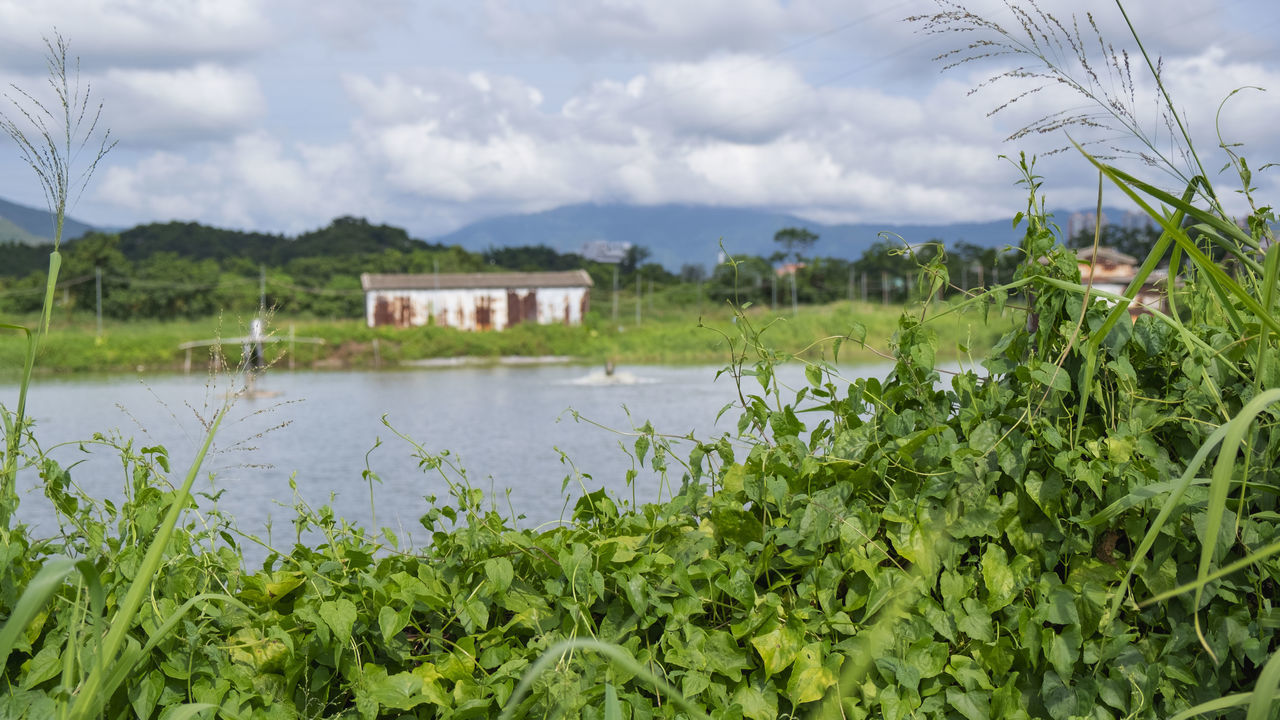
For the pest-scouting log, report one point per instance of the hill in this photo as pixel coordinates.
(28, 226)
(675, 235)
(679, 234)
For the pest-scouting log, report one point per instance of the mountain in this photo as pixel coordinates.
(679, 234)
(28, 226)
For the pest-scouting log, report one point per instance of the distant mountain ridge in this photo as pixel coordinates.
(679, 234)
(29, 226)
(675, 235)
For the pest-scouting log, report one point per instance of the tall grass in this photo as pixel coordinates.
(51, 135)
(1231, 267)
(98, 654)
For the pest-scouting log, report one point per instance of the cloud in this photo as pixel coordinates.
(797, 128)
(202, 101)
(251, 181)
(635, 27)
(342, 24)
(133, 32)
(460, 145)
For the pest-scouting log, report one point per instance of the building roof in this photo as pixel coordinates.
(1106, 255)
(455, 281)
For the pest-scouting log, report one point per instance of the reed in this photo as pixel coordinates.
(51, 136)
(50, 139)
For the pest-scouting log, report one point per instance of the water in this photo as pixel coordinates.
(507, 426)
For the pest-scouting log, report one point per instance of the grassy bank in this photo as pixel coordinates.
(667, 335)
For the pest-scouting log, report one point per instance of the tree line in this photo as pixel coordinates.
(176, 269)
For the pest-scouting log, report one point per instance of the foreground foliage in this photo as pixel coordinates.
(942, 549)
(1042, 536)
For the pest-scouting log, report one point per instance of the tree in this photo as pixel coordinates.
(795, 240)
(747, 279)
(636, 255)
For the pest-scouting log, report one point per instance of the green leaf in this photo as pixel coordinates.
(500, 573)
(186, 711)
(642, 448)
(1001, 587)
(390, 622)
(724, 656)
(340, 616)
(779, 647)
(976, 621)
(283, 583)
(813, 374)
(37, 593)
(1062, 607)
(809, 678)
(1063, 650)
(757, 704)
(974, 705)
(46, 664)
(1052, 376)
(1058, 699)
(401, 691)
(144, 694)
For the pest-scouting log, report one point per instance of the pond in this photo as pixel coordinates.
(512, 429)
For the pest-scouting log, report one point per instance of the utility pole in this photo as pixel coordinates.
(615, 293)
(795, 309)
(97, 283)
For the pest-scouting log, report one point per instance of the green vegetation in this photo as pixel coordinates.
(184, 270)
(667, 334)
(1043, 538)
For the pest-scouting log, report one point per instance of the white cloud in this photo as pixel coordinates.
(252, 181)
(109, 32)
(194, 102)
(344, 24)
(717, 108)
(635, 27)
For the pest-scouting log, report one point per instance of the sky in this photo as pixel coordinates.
(279, 115)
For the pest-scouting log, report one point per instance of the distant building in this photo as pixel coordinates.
(1112, 271)
(605, 251)
(1085, 222)
(476, 301)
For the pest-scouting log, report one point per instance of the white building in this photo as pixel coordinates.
(476, 301)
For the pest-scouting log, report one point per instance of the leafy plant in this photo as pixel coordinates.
(1035, 537)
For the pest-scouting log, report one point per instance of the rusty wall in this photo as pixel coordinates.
(475, 309)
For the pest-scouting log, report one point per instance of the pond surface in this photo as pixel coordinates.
(511, 428)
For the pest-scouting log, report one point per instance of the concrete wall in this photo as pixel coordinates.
(475, 308)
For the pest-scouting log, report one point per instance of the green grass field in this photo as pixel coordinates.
(666, 335)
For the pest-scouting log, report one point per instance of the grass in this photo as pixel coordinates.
(668, 336)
